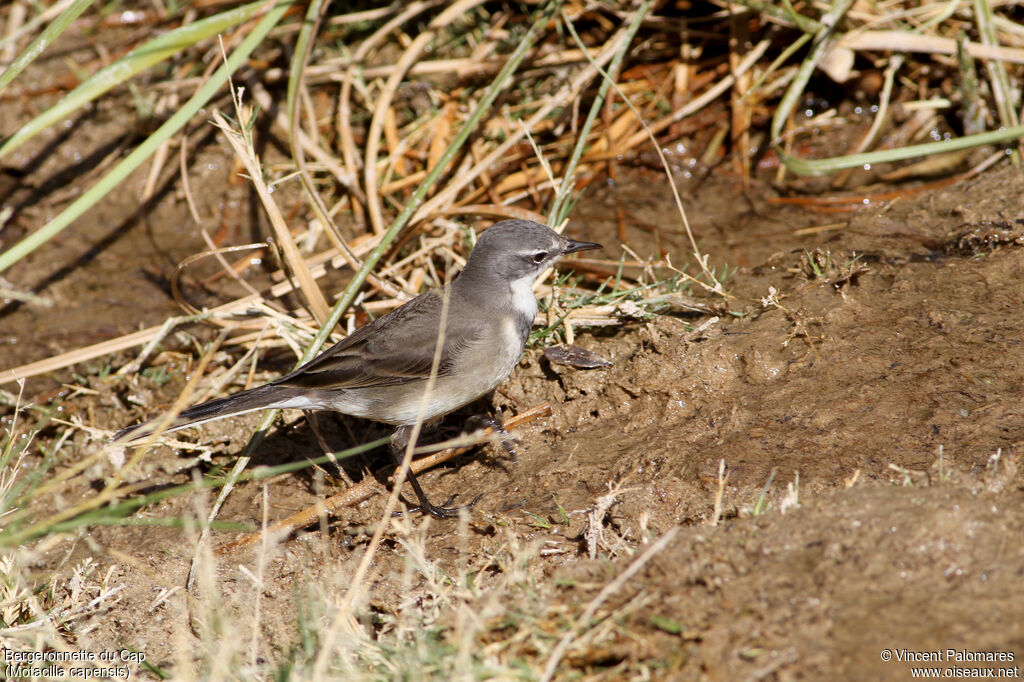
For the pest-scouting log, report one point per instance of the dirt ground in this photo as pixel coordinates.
(870, 504)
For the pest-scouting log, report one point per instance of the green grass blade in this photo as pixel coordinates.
(43, 41)
(821, 166)
(117, 512)
(559, 209)
(139, 59)
(150, 145)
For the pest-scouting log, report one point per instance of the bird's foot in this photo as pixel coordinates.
(444, 511)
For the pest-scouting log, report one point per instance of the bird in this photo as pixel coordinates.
(381, 371)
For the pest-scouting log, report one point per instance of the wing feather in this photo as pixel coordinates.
(397, 348)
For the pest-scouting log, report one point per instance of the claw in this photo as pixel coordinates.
(443, 511)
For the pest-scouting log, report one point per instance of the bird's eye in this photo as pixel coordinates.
(540, 256)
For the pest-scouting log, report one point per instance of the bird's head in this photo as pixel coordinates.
(517, 250)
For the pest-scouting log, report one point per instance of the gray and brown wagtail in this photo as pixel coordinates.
(381, 371)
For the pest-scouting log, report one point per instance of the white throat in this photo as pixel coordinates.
(523, 300)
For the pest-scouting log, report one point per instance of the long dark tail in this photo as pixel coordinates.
(259, 398)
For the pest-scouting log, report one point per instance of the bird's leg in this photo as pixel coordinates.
(399, 442)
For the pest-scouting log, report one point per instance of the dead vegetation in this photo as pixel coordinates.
(377, 143)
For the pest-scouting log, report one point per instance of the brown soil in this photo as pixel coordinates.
(868, 419)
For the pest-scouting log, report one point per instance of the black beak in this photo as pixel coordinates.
(573, 246)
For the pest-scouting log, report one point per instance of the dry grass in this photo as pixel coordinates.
(432, 119)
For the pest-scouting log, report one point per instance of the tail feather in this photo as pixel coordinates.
(259, 398)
